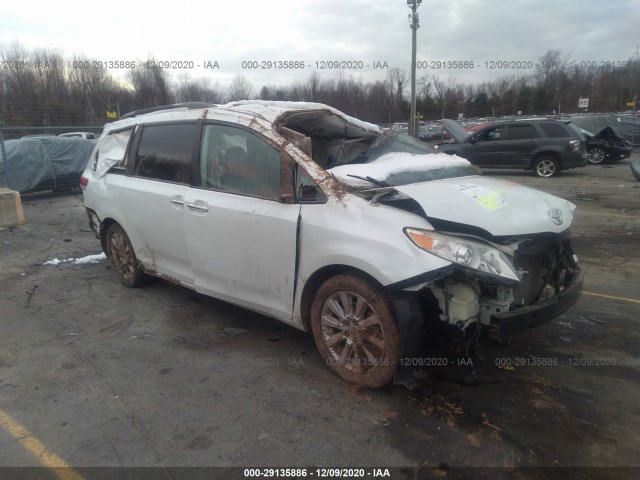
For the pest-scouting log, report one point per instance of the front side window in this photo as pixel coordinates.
(490, 135)
(307, 191)
(237, 161)
(165, 152)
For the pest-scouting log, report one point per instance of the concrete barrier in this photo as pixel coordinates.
(11, 213)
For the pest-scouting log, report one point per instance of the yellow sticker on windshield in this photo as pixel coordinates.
(490, 200)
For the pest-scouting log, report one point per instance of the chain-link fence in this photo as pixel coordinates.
(45, 160)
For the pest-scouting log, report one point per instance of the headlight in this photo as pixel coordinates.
(468, 253)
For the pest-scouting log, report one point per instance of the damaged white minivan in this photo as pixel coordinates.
(322, 221)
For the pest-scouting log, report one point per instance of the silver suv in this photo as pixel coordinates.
(322, 221)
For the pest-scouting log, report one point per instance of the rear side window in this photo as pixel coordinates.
(521, 132)
(554, 130)
(165, 152)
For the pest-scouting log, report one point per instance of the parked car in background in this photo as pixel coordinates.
(37, 135)
(365, 238)
(431, 133)
(544, 146)
(87, 135)
(606, 145)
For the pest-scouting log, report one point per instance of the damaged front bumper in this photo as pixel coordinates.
(522, 318)
(466, 300)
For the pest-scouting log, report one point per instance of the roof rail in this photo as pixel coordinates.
(188, 105)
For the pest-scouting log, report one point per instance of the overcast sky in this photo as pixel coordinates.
(311, 31)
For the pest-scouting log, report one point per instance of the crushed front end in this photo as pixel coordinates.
(510, 287)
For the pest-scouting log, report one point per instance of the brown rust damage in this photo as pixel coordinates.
(151, 269)
(298, 146)
(299, 140)
(256, 125)
(336, 189)
(325, 180)
(168, 278)
(287, 181)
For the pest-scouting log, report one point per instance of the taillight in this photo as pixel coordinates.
(84, 181)
(575, 145)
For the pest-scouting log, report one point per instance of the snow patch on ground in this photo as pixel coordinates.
(78, 261)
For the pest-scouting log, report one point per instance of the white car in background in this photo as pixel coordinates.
(317, 219)
(87, 135)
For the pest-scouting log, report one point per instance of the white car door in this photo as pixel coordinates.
(241, 235)
(153, 200)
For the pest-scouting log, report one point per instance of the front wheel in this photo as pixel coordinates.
(596, 156)
(546, 167)
(355, 330)
(123, 258)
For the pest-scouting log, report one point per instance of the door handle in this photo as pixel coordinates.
(199, 208)
(177, 202)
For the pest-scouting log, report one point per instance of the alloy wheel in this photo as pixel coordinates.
(352, 331)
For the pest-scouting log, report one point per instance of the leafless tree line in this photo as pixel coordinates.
(41, 87)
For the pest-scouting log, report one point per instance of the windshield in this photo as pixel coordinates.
(395, 141)
(398, 159)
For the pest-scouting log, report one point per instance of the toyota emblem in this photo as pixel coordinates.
(556, 216)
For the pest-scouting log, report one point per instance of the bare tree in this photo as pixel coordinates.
(398, 77)
(20, 82)
(240, 89)
(189, 89)
(425, 86)
(93, 90)
(41, 87)
(440, 89)
(314, 86)
(296, 92)
(150, 85)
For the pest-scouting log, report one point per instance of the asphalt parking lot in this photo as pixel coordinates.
(94, 374)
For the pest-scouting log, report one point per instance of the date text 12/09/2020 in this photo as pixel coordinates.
(317, 472)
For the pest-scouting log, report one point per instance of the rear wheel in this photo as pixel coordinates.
(596, 156)
(355, 330)
(123, 258)
(546, 167)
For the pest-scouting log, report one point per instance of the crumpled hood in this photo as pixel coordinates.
(500, 207)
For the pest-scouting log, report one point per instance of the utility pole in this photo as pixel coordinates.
(415, 25)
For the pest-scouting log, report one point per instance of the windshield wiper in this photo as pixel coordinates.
(369, 179)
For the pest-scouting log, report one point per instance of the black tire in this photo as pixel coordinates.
(355, 330)
(596, 155)
(123, 258)
(546, 167)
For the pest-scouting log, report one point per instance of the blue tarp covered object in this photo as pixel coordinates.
(622, 124)
(51, 162)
